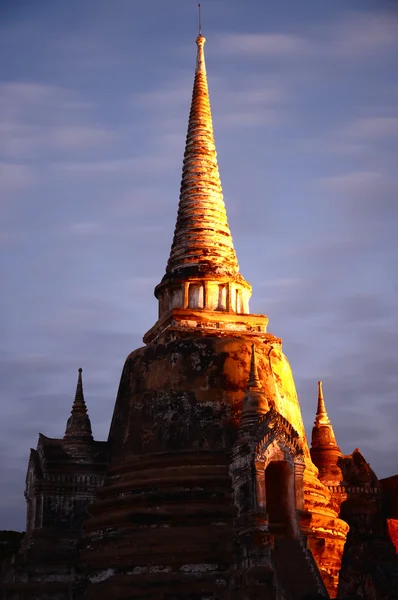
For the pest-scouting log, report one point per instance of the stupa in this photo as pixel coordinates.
(190, 507)
(206, 488)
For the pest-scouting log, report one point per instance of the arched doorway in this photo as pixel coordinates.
(280, 498)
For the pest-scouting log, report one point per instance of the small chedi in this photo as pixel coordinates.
(206, 487)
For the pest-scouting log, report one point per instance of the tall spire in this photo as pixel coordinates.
(202, 286)
(202, 240)
(78, 426)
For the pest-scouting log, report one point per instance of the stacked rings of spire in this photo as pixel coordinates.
(202, 237)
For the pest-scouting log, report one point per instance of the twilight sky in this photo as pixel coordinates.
(94, 102)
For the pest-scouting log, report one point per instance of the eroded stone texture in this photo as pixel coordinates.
(168, 502)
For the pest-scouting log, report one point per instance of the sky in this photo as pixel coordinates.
(94, 103)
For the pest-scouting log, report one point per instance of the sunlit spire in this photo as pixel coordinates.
(321, 414)
(202, 273)
(325, 452)
(202, 240)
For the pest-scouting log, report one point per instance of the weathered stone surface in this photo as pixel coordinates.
(175, 422)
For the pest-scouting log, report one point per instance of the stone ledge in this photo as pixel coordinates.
(209, 321)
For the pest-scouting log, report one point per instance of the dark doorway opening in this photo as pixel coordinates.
(279, 489)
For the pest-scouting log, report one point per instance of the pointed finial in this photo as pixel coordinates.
(200, 19)
(78, 425)
(79, 397)
(321, 413)
(200, 41)
(325, 452)
(254, 380)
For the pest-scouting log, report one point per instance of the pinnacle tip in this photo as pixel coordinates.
(200, 20)
(80, 370)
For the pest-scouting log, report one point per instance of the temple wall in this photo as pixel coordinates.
(65, 512)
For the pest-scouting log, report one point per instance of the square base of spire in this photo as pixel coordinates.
(188, 319)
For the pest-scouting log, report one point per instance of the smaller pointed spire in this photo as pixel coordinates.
(254, 380)
(78, 426)
(321, 414)
(79, 397)
(325, 452)
(254, 402)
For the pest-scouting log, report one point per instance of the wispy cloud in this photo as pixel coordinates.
(349, 36)
(362, 138)
(254, 104)
(136, 165)
(86, 228)
(353, 182)
(371, 128)
(77, 137)
(365, 33)
(38, 120)
(369, 200)
(15, 177)
(264, 44)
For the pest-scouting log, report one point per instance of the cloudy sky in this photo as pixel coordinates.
(94, 100)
